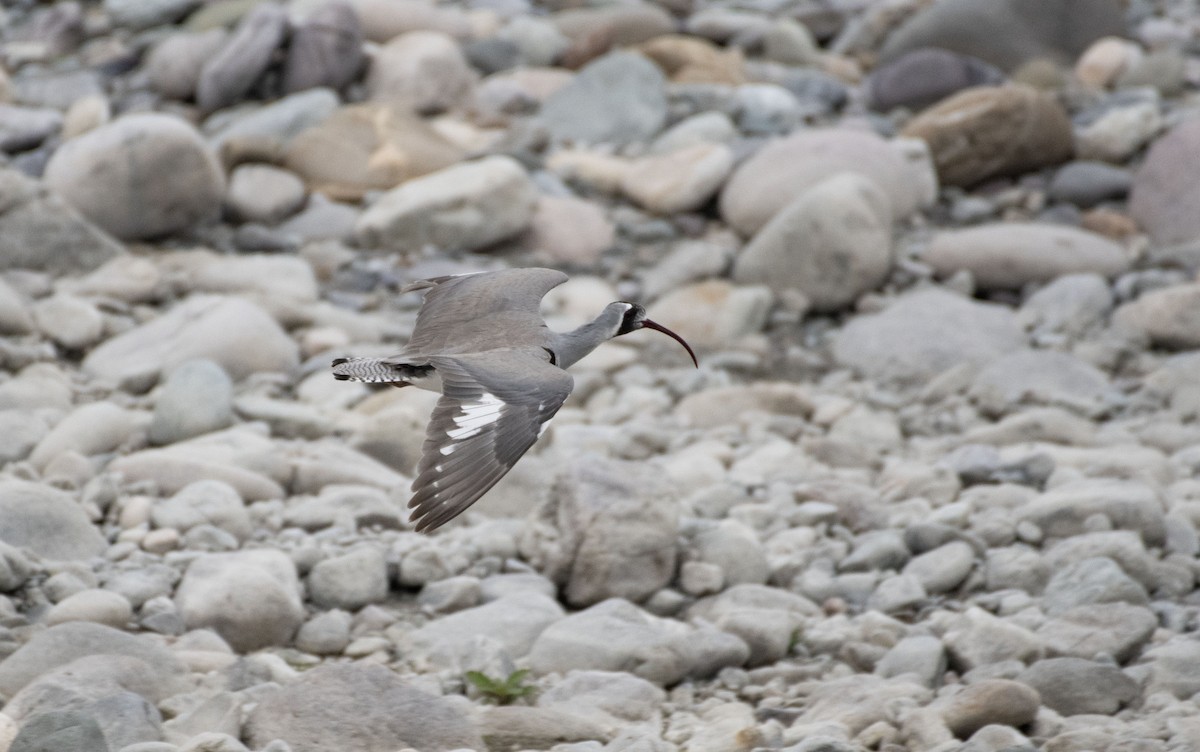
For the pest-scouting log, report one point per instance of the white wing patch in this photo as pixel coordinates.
(475, 416)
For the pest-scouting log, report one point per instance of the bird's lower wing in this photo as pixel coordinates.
(492, 410)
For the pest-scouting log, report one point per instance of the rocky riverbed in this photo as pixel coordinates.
(935, 485)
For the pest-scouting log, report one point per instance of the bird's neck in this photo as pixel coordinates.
(574, 345)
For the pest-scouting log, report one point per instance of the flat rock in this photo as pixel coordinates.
(429, 210)
(616, 635)
(48, 521)
(944, 568)
(511, 622)
(1128, 505)
(617, 99)
(1169, 316)
(1008, 33)
(1070, 305)
(922, 656)
(832, 243)
(232, 332)
(923, 333)
(516, 727)
(205, 502)
(1010, 255)
(94, 605)
(1044, 377)
(64, 643)
(243, 59)
(90, 429)
(251, 598)
(680, 181)
(985, 117)
(141, 176)
(61, 731)
(271, 127)
(369, 703)
(371, 146)
(1119, 133)
(41, 231)
(424, 70)
(786, 168)
(1087, 183)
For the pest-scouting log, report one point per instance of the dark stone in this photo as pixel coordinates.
(920, 78)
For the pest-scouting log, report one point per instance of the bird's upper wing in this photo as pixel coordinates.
(491, 411)
(466, 313)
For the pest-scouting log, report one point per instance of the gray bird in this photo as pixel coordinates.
(480, 341)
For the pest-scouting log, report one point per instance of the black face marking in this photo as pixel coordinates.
(632, 321)
(553, 357)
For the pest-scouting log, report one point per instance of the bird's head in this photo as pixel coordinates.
(633, 317)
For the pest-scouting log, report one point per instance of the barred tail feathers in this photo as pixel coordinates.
(372, 370)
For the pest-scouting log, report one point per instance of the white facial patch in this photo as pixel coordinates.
(475, 416)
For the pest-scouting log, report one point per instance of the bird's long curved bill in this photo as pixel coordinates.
(660, 328)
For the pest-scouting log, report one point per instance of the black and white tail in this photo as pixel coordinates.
(378, 371)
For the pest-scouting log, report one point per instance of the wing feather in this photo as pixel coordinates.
(491, 411)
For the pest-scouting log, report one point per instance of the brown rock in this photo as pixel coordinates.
(624, 24)
(991, 131)
(692, 60)
(991, 701)
(367, 147)
(515, 728)
(1109, 223)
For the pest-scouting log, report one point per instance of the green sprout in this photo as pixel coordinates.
(502, 692)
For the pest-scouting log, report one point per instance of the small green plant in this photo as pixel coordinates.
(502, 691)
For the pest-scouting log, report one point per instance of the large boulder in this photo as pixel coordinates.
(41, 231)
(232, 332)
(1165, 189)
(367, 703)
(924, 333)
(141, 176)
(251, 598)
(833, 243)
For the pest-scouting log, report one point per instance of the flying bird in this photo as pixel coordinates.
(481, 341)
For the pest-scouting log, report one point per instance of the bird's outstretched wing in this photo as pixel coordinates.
(463, 313)
(492, 409)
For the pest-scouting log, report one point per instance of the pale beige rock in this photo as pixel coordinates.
(69, 321)
(1170, 316)
(714, 314)
(85, 115)
(602, 172)
(100, 606)
(1105, 60)
(462, 208)
(567, 229)
(367, 147)
(424, 70)
(90, 429)
(1009, 255)
(681, 181)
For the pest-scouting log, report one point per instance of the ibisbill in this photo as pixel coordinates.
(481, 342)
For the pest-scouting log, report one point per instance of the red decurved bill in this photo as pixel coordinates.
(660, 328)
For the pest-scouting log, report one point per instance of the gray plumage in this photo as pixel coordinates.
(481, 341)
